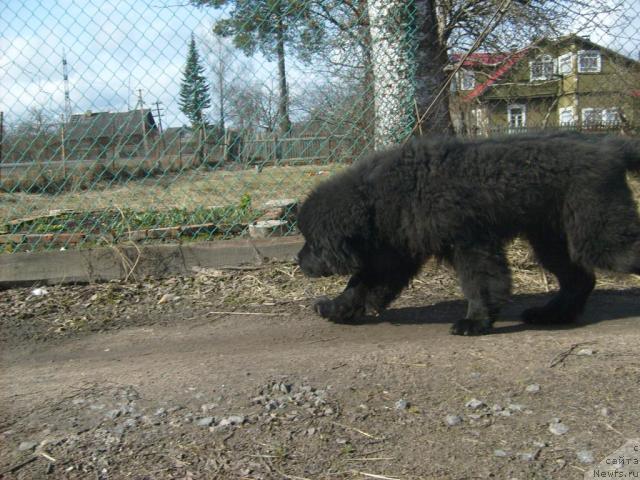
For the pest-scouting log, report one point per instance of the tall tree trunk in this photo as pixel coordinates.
(283, 104)
(392, 72)
(221, 68)
(367, 119)
(431, 58)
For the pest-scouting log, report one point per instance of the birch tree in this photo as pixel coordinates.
(392, 70)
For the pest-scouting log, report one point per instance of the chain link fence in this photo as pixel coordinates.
(149, 120)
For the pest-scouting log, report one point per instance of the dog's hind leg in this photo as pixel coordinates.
(603, 227)
(485, 280)
(576, 281)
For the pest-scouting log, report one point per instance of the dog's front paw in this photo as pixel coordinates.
(467, 326)
(337, 311)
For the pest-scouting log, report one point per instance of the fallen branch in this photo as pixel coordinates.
(361, 432)
(559, 358)
(18, 466)
(374, 475)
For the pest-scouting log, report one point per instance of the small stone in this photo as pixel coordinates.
(284, 388)
(453, 420)
(271, 405)
(533, 388)
(130, 423)
(160, 412)
(204, 422)
(27, 446)
(96, 407)
(540, 444)
(605, 411)
(236, 419)
(527, 456)
(515, 407)
(401, 404)
(500, 453)
(207, 406)
(341, 441)
(496, 408)
(311, 431)
(475, 375)
(78, 401)
(558, 428)
(584, 352)
(585, 456)
(328, 411)
(113, 414)
(474, 404)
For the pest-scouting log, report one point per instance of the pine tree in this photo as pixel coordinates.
(194, 90)
(269, 26)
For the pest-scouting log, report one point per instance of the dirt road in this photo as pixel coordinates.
(191, 392)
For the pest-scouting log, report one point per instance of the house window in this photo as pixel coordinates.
(541, 68)
(591, 117)
(589, 61)
(611, 116)
(516, 116)
(566, 116)
(565, 64)
(467, 80)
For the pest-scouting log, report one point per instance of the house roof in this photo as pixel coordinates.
(504, 62)
(93, 125)
(507, 63)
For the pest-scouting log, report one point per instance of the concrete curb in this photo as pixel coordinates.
(128, 262)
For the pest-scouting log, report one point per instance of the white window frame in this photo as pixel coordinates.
(582, 54)
(614, 112)
(467, 79)
(562, 64)
(541, 60)
(597, 116)
(514, 106)
(565, 110)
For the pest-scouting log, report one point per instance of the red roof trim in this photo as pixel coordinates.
(508, 62)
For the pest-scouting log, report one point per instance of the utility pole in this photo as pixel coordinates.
(144, 123)
(62, 150)
(67, 98)
(157, 104)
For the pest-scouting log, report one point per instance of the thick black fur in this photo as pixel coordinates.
(461, 201)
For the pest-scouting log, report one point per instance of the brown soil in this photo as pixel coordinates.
(230, 375)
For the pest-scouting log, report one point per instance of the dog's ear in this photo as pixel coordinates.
(335, 220)
(349, 255)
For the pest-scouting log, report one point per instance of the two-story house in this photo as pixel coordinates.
(568, 82)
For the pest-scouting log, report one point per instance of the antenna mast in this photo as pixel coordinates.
(65, 76)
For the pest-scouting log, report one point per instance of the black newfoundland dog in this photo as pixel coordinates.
(461, 201)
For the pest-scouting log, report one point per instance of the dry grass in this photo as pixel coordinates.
(187, 190)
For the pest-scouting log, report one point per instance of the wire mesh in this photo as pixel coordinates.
(151, 121)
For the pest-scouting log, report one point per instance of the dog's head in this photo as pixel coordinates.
(335, 223)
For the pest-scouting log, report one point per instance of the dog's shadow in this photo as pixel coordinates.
(603, 305)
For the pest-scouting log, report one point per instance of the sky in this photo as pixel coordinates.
(114, 48)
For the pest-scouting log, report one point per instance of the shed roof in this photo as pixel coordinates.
(93, 125)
